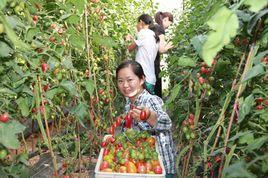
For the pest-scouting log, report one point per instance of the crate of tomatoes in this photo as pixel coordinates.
(129, 154)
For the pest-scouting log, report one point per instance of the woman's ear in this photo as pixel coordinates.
(142, 81)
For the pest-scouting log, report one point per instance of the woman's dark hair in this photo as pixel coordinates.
(159, 16)
(135, 66)
(157, 31)
(147, 19)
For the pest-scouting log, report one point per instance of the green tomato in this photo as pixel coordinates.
(3, 154)
(188, 136)
(185, 129)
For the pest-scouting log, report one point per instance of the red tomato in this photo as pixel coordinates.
(158, 170)
(259, 107)
(191, 116)
(128, 121)
(35, 18)
(111, 130)
(104, 165)
(143, 115)
(105, 151)
(203, 70)
(4, 117)
(103, 144)
(191, 121)
(118, 121)
(44, 67)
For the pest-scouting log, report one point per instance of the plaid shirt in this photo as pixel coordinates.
(162, 130)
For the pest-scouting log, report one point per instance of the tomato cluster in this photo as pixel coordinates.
(188, 127)
(261, 103)
(130, 152)
(204, 78)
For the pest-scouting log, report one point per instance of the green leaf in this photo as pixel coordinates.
(54, 91)
(105, 41)
(12, 35)
(6, 91)
(69, 86)
(237, 170)
(255, 19)
(197, 42)
(174, 93)
(245, 107)
(3, 4)
(224, 25)
(186, 61)
(31, 32)
(254, 71)
(80, 111)
(89, 84)
(238, 135)
(73, 19)
(8, 133)
(257, 143)
(247, 138)
(23, 105)
(256, 6)
(77, 41)
(5, 50)
(67, 63)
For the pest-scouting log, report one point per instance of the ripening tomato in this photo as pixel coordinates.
(107, 170)
(131, 168)
(148, 166)
(141, 169)
(218, 159)
(151, 141)
(104, 165)
(122, 169)
(265, 102)
(201, 80)
(158, 170)
(155, 163)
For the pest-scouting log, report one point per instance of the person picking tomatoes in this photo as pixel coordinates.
(148, 113)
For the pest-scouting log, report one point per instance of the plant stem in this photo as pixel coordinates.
(54, 160)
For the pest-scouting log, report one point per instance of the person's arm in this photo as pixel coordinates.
(132, 46)
(163, 46)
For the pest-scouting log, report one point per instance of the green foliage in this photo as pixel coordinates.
(8, 134)
(224, 25)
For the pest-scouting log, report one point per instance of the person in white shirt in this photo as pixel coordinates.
(146, 46)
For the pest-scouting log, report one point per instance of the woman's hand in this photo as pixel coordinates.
(140, 114)
(129, 37)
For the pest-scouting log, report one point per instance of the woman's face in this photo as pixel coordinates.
(166, 22)
(128, 83)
